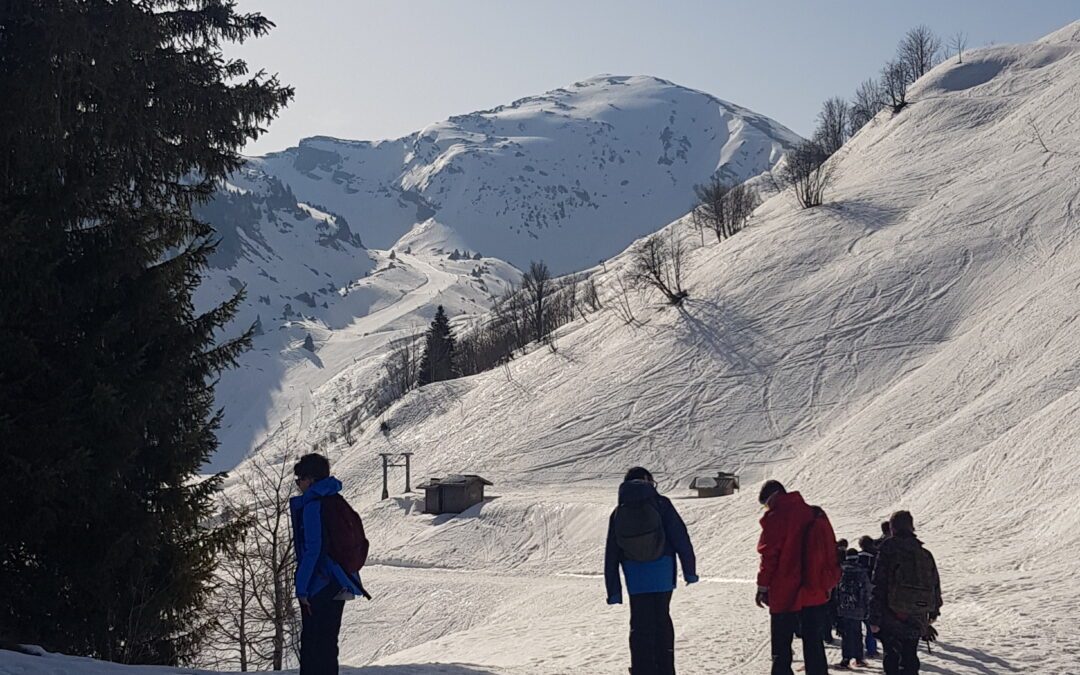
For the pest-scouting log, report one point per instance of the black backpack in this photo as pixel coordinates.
(912, 582)
(639, 530)
(850, 596)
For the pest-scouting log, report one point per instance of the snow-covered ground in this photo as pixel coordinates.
(911, 344)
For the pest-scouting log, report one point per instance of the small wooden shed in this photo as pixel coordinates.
(453, 494)
(720, 485)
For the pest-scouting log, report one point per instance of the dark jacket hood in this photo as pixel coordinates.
(637, 491)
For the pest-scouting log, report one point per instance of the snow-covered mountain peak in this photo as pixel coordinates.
(570, 176)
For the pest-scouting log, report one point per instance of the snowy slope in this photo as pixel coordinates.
(305, 272)
(568, 177)
(571, 176)
(911, 344)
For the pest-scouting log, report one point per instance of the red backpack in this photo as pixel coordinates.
(821, 567)
(347, 545)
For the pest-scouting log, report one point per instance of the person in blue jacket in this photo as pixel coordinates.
(322, 586)
(649, 583)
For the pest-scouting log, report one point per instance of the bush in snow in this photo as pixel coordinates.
(834, 125)
(723, 208)
(657, 263)
(808, 173)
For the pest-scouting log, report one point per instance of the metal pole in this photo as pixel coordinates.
(385, 464)
(408, 471)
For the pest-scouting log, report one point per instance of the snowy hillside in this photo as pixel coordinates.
(353, 243)
(910, 344)
(569, 177)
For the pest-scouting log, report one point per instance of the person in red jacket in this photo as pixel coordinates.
(794, 605)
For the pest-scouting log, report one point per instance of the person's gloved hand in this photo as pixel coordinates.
(615, 600)
(691, 579)
(762, 597)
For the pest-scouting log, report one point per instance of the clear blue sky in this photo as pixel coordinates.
(373, 69)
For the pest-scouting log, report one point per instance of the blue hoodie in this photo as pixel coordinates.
(656, 576)
(314, 568)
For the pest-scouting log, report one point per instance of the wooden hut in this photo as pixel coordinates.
(453, 494)
(720, 485)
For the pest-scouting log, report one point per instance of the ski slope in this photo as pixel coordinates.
(568, 177)
(911, 344)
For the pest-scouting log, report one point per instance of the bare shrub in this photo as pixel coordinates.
(657, 263)
(920, 50)
(537, 285)
(866, 104)
(895, 78)
(834, 125)
(808, 173)
(958, 43)
(590, 295)
(256, 625)
(723, 208)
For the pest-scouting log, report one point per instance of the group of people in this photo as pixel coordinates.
(809, 581)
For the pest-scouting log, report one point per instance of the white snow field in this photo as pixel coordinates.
(911, 344)
(568, 177)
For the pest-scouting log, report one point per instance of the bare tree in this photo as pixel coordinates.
(958, 43)
(622, 302)
(256, 620)
(657, 262)
(591, 296)
(402, 367)
(537, 285)
(1037, 135)
(866, 104)
(833, 124)
(919, 50)
(895, 79)
(742, 200)
(711, 211)
(808, 172)
(723, 208)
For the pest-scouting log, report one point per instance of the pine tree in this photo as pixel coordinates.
(118, 116)
(440, 359)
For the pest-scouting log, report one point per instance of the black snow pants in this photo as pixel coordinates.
(901, 654)
(812, 621)
(319, 633)
(652, 635)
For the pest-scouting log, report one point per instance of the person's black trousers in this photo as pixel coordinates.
(813, 622)
(319, 633)
(901, 655)
(652, 635)
(851, 639)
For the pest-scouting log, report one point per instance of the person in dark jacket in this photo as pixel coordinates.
(781, 584)
(868, 558)
(322, 586)
(886, 532)
(900, 634)
(649, 583)
(852, 606)
(834, 617)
